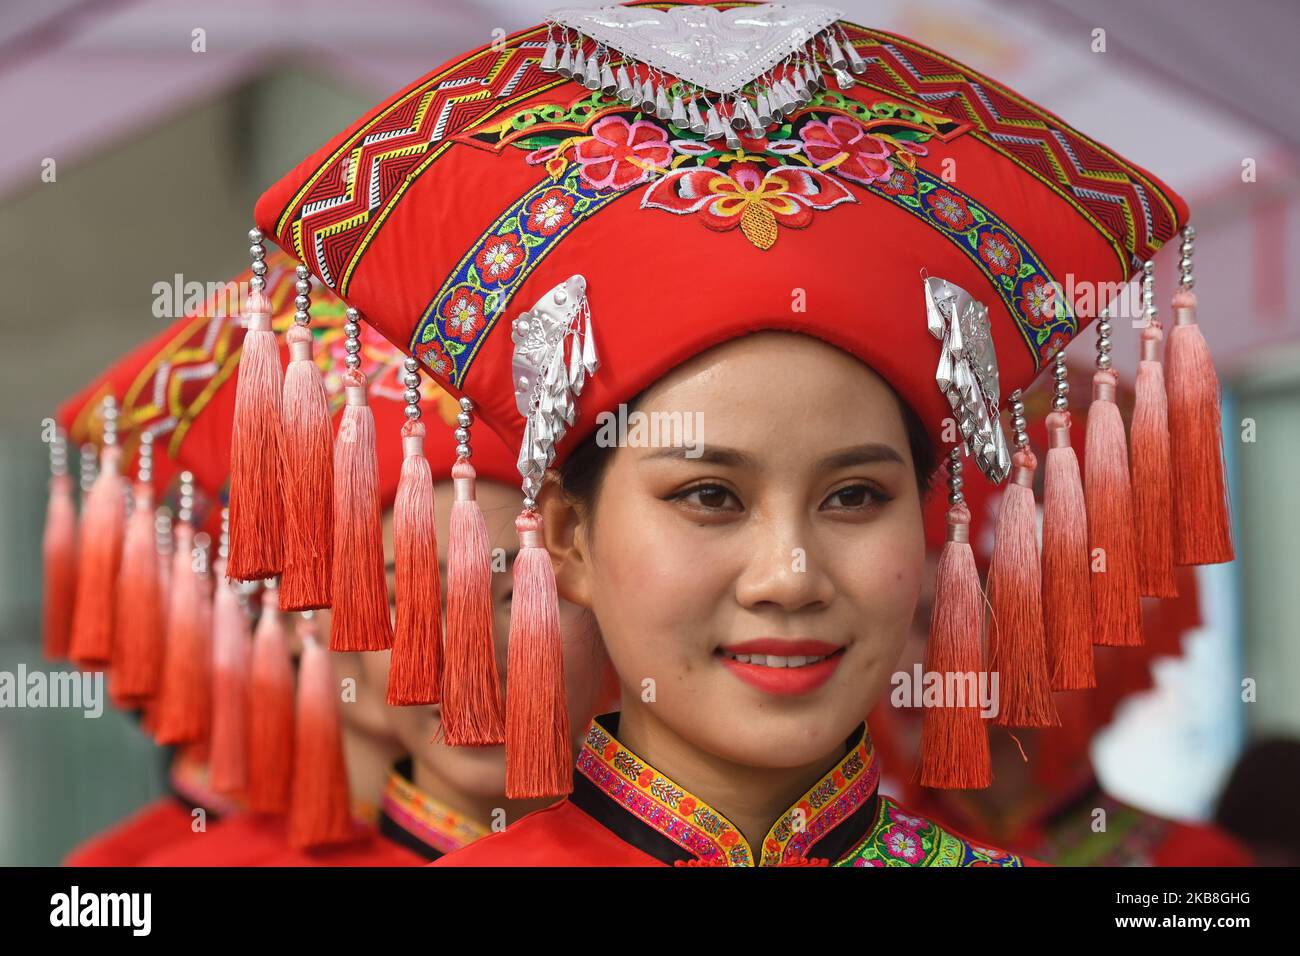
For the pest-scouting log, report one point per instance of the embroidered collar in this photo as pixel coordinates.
(647, 809)
(411, 818)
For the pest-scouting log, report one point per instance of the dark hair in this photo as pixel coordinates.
(582, 472)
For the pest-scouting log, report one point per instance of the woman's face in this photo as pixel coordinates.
(767, 586)
(482, 770)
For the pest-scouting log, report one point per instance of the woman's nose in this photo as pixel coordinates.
(783, 567)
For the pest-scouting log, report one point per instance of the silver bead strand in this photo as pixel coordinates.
(1186, 279)
(1061, 400)
(257, 252)
(955, 496)
(352, 343)
(1103, 340)
(302, 296)
(411, 379)
(1150, 314)
(89, 470)
(223, 543)
(162, 531)
(59, 453)
(144, 468)
(1018, 424)
(185, 500)
(110, 420)
(463, 422)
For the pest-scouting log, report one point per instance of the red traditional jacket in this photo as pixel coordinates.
(624, 812)
(412, 829)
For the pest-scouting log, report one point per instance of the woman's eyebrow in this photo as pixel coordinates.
(868, 454)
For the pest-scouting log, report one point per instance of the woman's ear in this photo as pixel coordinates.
(564, 529)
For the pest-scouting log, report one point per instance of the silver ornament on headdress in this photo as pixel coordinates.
(967, 373)
(554, 352)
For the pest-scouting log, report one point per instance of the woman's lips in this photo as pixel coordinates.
(782, 666)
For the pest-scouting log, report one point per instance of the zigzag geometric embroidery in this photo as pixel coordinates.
(1119, 199)
(333, 217)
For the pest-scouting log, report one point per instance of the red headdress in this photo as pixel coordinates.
(497, 219)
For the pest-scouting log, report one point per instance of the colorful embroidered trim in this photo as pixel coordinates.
(473, 297)
(767, 183)
(899, 838)
(332, 219)
(701, 830)
(431, 822)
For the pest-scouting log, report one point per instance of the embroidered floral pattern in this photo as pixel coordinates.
(898, 838)
(598, 149)
(695, 826)
(433, 823)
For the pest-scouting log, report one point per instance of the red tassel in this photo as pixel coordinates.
(1152, 510)
(231, 653)
(256, 504)
(59, 548)
(1067, 596)
(1017, 643)
(308, 473)
(539, 753)
(141, 625)
(185, 711)
(471, 689)
(954, 751)
(320, 809)
(270, 716)
(103, 526)
(1202, 525)
(1116, 607)
(361, 619)
(415, 671)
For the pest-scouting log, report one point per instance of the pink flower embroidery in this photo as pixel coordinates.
(1055, 342)
(866, 157)
(462, 316)
(1038, 304)
(906, 819)
(753, 200)
(903, 844)
(619, 154)
(900, 182)
(999, 253)
(434, 357)
(550, 212)
(500, 258)
(950, 208)
(864, 862)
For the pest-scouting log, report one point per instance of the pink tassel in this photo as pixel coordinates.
(320, 811)
(185, 711)
(308, 472)
(1202, 526)
(954, 739)
(1117, 613)
(1152, 512)
(231, 653)
(103, 527)
(415, 671)
(471, 695)
(1017, 644)
(256, 504)
(539, 754)
(270, 716)
(1067, 595)
(141, 625)
(59, 548)
(361, 620)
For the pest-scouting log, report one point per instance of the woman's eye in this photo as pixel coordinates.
(855, 497)
(710, 498)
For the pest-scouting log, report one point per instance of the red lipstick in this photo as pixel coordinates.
(783, 681)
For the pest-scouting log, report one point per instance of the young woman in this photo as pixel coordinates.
(836, 254)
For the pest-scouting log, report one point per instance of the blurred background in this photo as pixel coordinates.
(138, 134)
